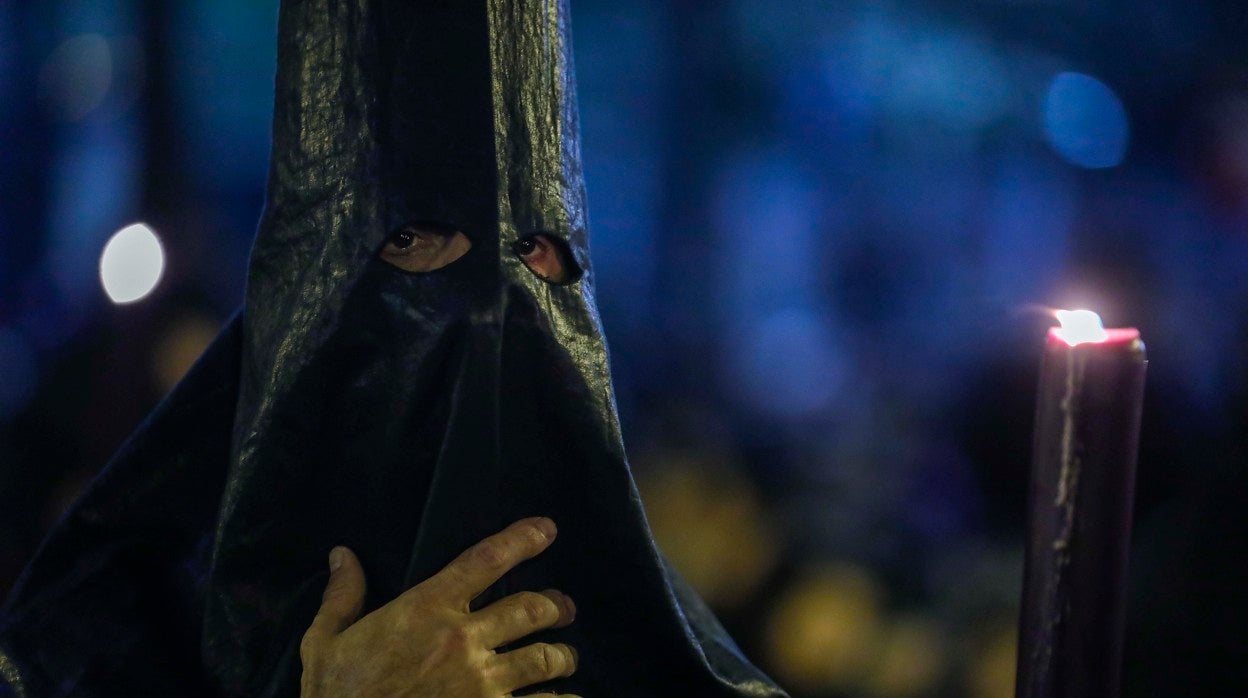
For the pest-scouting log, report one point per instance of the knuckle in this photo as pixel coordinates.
(339, 592)
(332, 593)
(536, 608)
(308, 647)
(548, 660)
(458, 637)
(491, 553)
(539, 660)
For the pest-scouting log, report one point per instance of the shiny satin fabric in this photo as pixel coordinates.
(405, 415)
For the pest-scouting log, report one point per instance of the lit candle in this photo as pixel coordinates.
(1079, 509)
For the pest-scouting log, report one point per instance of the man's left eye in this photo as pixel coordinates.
(547, 257)
(526, 247)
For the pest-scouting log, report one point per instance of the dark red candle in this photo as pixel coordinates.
(1079, 510)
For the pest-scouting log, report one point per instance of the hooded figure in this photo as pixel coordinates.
(404, 415)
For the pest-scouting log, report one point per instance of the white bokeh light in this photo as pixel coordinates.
(131, 264)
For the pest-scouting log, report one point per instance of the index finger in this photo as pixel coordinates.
(484, 563)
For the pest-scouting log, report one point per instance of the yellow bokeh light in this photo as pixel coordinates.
(991, 671)
(709, 523)
(179, 347)
(825, 631)
(911, 661)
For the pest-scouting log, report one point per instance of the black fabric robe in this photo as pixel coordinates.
(404, 415)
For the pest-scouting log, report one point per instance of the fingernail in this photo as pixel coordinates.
(571, 605)
(335, 559)
(560, 599)
(576, 657)
(547, 527)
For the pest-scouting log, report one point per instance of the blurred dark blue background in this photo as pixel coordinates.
(820, 232)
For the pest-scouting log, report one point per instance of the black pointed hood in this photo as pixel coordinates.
(405, 415)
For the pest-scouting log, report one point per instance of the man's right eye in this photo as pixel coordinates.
(424, 248)
(402, 239)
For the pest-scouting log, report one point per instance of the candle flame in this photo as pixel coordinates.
(1079, 327)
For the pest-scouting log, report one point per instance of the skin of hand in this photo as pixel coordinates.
(427, 642)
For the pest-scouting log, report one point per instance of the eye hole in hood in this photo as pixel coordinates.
(548, 257)
(423, 246)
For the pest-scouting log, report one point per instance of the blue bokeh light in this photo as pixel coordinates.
(766, 213)
(787, 363)
(94, 185)
(1027, 229)
(1085, 121)
(18, 372)
(622, 94)
(783, 358)
(226, 49)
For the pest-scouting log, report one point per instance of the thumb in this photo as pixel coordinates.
(344, 594)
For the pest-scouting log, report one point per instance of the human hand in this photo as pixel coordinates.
(427, 642)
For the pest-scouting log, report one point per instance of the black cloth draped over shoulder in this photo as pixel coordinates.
(404, 415)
